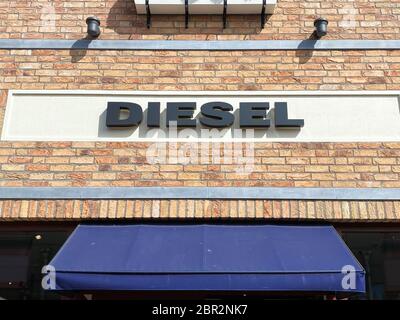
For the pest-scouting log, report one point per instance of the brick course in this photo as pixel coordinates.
(75, 210)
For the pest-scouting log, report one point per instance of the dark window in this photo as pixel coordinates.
(22, 256)
(379, 253)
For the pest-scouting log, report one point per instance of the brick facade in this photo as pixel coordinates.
(292, 19)
(352, 165)
(200, 70)
(95, 164)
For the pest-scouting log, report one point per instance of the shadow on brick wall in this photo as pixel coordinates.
(122, 19)
(79, 54)
(305, 55)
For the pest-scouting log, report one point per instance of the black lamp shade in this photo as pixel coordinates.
(321, 27)
(93, 26)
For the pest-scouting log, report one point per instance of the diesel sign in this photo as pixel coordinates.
(170, 116)
(212, 115)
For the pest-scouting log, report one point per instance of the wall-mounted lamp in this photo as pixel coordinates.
(321, 27)
(93, 26)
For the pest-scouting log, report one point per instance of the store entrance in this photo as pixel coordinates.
(25, 249)
(379, 253)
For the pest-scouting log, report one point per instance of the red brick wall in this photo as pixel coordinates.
(125, 164)
(306, 164)
(292, 19)
(200, 70)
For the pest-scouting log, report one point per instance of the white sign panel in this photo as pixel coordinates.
(325, 116)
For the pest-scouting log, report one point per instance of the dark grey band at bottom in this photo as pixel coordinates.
(192, 45)
(207, 193)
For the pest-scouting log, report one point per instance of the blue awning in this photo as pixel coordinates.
(207, 257)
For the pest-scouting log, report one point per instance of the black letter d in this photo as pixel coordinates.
(114, 109)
